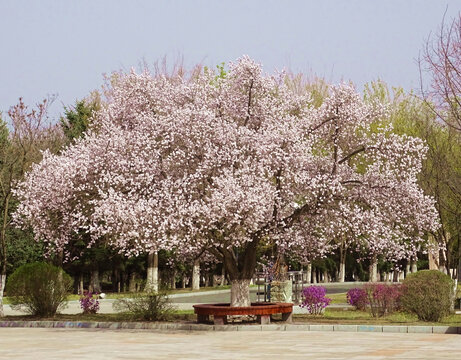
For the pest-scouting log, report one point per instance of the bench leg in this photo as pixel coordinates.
(264, 319)
(203, 318)
(287, 317)
(220, 320)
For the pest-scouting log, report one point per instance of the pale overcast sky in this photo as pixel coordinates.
(64, 47)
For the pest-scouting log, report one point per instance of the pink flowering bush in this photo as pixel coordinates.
(89, 303)
(357, 297)
(314, 299)
(383, 298)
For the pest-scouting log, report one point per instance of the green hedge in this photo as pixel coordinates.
(39, 288)
(428, 294)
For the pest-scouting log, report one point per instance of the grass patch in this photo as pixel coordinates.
(331, 317)
(356, 317)
(340, 298)
(177, 316)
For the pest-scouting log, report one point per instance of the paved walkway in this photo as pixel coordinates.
(66, 344)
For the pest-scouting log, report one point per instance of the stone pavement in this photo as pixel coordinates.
(37, 344)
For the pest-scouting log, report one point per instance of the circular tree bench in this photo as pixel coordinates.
(263, 312)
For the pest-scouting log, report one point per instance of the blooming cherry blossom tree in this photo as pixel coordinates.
(223, 163)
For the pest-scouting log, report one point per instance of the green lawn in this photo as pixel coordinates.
(339, 316)
(331, 316)
(337, 298)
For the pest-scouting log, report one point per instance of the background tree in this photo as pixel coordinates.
(441, 60)
(77, 119)
(441, 170)
(20, 146)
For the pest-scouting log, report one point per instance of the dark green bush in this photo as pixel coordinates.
(428, 294)
(151, 306)
(39, 288)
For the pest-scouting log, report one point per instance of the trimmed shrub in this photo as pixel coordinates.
(428, 294)
(314, 299)
(39, 288)
(151, 306)
(358, 298)
(383, 298)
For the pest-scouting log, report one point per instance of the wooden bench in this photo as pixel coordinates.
(262, 310)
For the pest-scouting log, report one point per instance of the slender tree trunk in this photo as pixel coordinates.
(374, 269)
(223, 274)
(196, 275)
(3, 254)
(407, 268)
(240, 292)
(132, 283)
(459, 260)
(152, 272)
(326, 278)
(95, 285)
(80, 283)
(342, 264)
(442, 261)
(2, 288)
(173, 280)
(414, 266)
(309, 273)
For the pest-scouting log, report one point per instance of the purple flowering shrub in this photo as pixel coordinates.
(88, 303)
(314, 299)
(383, 298)
(358, 298)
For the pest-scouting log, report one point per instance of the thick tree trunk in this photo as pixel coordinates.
(152, 272)
(2, 288)
(196, 275)
(373, 269)
(95, 285)
(240, 292)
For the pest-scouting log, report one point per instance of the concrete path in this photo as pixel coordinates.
(23, 343)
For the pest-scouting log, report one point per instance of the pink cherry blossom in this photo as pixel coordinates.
(222, 164)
